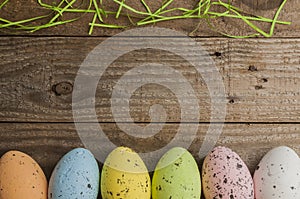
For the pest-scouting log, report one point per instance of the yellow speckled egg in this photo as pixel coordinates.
(124, 175)
(21, 177)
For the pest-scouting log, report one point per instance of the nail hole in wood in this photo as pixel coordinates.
(264, 80)
(218, 54)
(252, 68)
(231, 101)
(62, 88)
(258, 87)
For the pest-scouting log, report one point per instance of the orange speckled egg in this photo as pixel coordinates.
(21, 177)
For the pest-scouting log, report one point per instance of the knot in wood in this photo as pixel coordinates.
(62, 88)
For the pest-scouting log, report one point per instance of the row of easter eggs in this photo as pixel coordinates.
(124, 175)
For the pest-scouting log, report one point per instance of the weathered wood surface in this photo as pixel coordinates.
(48, 142)
(261, 79)
(19, 10)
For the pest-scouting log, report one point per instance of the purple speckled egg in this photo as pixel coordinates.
(226, 176)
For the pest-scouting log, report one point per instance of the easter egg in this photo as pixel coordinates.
(21, 177)
(124, 175)
(278, 175)
(226, 176)
(176, 176)
(76, 175)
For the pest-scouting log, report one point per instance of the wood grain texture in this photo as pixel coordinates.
(47, 142)
(19, 10)
(261, 78)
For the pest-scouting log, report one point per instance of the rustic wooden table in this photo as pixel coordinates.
(261, 78)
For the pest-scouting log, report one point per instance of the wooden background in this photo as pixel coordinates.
(261, 76)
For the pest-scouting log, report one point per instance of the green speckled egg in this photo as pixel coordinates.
(176, 176)
(124, 175)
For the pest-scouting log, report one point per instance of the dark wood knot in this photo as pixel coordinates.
(62, 88)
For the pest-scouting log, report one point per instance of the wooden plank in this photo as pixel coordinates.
(47, 142)
(261, 79)
(22, 9)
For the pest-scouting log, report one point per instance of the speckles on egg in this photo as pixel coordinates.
(176, 176)
(21, 177)
(278, 175)
(124, 175)
(76, 175)
(226, 176)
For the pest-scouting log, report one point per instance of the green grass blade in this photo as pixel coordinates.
(4, 3)
(92, 24)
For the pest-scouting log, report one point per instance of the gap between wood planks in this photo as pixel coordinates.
(37, 122)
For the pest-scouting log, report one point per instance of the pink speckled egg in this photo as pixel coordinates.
(226, 176)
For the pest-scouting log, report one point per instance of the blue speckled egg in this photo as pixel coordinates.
(76, 175)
